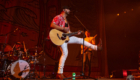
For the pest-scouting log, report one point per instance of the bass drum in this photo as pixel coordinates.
(20, 69)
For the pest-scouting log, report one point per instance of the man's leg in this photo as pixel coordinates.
(62, 60)
(77, 40)
(89, 63)
(84, 62)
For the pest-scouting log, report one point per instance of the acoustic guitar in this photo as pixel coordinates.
(59, 37)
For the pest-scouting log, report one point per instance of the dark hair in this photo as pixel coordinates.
(19, 43)
(66, 7)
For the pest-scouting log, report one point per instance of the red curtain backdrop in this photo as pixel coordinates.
(20, 20)
(49, 9)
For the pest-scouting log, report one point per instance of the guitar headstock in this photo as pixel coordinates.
(95, 35)
(79, 32)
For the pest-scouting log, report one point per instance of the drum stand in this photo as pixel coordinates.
(5, 73)
(42, 61)
(34, 72)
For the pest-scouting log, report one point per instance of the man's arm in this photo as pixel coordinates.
(66, 29)
(24, 47)
(85, 48)
(93, 41)
(56, 26)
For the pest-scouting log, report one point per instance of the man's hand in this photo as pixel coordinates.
(79, 32)
(66, 29)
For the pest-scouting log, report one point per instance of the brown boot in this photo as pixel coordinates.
(99, 46)
(60, 76)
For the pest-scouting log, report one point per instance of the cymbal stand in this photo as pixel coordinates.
(44, 66)
(34, 73)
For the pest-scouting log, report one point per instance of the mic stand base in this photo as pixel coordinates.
(81, 74)
(44, 72)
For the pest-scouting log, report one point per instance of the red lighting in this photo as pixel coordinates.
(124, 73)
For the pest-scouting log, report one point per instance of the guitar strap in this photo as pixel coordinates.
(66, 24)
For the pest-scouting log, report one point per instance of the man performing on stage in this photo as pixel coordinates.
(87, 53)
(60, 22)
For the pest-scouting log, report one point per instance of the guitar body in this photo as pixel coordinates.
(56, 37)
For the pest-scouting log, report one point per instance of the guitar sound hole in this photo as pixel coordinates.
(63, 38)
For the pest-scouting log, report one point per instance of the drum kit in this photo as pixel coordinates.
(17, 63)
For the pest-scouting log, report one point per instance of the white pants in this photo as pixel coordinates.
(64, 50)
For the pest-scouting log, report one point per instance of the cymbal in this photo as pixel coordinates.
(7, 47)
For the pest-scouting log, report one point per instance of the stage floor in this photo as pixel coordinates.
(88, 79)
(49, 76)
(76, 79)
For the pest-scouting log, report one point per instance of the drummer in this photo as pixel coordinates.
(19, 48)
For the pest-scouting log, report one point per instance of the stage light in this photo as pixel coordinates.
(121, 73)
(111, 76)
(124, 73)
(131, 9)
(118, 14)
(124, 11)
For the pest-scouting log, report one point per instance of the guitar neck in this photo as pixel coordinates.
(70, 34)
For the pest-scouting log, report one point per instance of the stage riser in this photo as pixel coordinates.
(81, 79)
